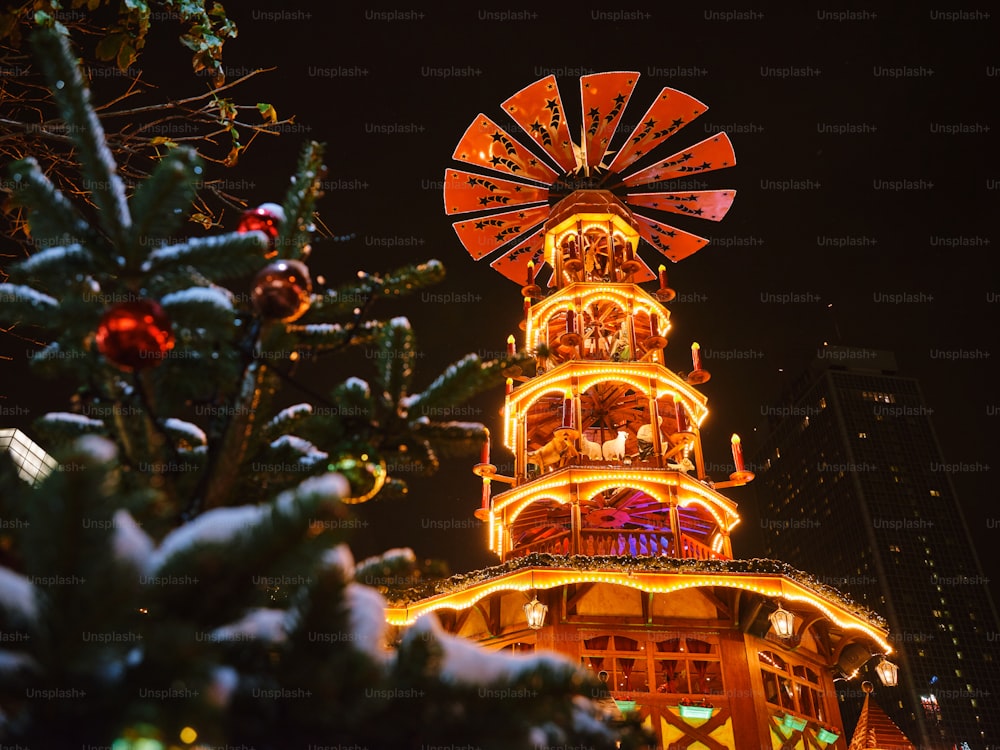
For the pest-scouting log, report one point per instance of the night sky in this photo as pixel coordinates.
(867, 179)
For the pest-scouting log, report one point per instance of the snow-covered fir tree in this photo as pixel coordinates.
(161, 589)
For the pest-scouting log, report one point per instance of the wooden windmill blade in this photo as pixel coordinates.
(506, 188)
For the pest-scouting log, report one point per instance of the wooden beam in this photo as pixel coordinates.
(749, 615)
(716, 602)
(581, 591)
(483, 607)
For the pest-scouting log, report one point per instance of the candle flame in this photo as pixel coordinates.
(662, 268)
(735, 439)
(510, 339)
(696, 345)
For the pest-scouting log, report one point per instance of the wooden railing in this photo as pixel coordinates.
(620, 543)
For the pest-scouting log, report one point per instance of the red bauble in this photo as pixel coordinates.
(281, 290)
(266, 218)
(135, 335)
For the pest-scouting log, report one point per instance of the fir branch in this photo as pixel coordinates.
(55, 267)
(408, 279)
(218, 257)
(22, 303)
(397, 345)
(325, 337)
(249, 538)
(98, 165)
(459, 382)
(451, 439)
(286, 420)
(201, 308)
(160, 202)
(300, 202)
(54, 220)
(398, 282)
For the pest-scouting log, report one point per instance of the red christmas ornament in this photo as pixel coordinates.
(266, 218)
(135, 335)
(281, 290)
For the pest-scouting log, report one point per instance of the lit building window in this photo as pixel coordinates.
(33, 464)
(932, 710)
(935, 493)
(794, 687)
(689, 666)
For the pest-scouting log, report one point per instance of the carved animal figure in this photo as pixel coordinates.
(557, 452)
(590, 449)
(684, 465)
(615, 449)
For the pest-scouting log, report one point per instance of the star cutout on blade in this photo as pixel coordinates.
(536, 126)
(650, 123)
(620, 99)
(595, 112)
(495, 161)
(551, 104)
(677, 123)
(497, 137)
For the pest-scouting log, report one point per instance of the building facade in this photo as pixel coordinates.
(614, 544)
(853, 487)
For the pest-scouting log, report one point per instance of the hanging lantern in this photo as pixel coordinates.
(888, 673)
(783, 622)
(534, 612)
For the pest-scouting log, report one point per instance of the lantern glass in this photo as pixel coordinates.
(534, 612)
(783, 622)
(887, 672)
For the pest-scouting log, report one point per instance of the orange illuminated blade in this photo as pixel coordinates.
(670, 112)
(514, 263)
(705, 204)
(483, 236)
(675, 243)
(488, 145)
(539, 110)
(465, 192)
(604, 96)
(715, 152)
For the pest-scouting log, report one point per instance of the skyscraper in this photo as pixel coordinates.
(853, 487)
